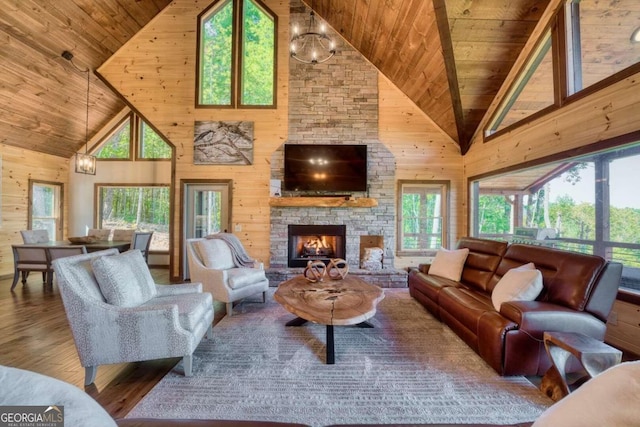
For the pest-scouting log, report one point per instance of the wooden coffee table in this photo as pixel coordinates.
(350, 301)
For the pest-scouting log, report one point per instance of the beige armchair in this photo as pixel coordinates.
(34, 236)
(118, 314)
(212, 263)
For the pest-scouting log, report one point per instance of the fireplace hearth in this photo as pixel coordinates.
(315, 243)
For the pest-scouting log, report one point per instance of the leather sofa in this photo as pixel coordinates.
(577, 296)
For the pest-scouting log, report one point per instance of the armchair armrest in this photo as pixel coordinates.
(183, 288)
(536, 317)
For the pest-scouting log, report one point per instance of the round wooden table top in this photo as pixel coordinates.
(332, 302)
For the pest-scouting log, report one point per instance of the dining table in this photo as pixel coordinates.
(120, 245)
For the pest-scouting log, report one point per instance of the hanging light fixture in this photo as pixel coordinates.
(85, 162)
(313, 46)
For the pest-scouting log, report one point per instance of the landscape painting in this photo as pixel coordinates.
(223, 143)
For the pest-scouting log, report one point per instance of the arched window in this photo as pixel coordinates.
(237, 55)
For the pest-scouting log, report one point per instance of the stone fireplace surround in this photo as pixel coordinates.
(337, 103)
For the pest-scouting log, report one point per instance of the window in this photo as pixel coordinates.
(152, 146)
(533, 91)
(143, 208)
(422, 208)
(117, 145)
(600, 40)
(45, 200)
(587, 204)
(237, 51)
(122, 141)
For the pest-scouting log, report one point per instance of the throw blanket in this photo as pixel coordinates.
(240, 255)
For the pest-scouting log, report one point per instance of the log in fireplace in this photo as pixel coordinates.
(315, 243)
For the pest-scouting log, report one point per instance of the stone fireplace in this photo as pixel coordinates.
(336, 103)
(315, 243)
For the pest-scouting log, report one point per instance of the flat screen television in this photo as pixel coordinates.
(325, 168)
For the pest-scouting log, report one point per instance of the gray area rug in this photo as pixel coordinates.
(409, 369)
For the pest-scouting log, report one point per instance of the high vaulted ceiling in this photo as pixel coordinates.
(449, 57)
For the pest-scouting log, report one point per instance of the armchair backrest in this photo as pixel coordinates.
(211, 253)
(34, 236)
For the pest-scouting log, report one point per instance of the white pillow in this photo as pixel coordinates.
(523, 283)
(215, 253)
(449, 263)
(609, 399)
(124, 279)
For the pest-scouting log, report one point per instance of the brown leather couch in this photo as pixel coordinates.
(577, 296)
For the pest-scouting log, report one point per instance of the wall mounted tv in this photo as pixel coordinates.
(325, 168)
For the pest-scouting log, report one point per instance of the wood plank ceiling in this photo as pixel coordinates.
(449, 57)
(43, 96)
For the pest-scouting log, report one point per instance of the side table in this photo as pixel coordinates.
(594, 356)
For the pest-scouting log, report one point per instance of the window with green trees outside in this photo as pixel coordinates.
(237, 65)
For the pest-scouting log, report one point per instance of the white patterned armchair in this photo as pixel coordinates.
(229, 277)
(118, 314)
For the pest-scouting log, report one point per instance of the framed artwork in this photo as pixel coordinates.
(223, 143)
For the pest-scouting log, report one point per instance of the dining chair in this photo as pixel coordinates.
(55, 252)
(142, 240)
(34, 236)
(122, 235)
(27, 259)
(99, 233)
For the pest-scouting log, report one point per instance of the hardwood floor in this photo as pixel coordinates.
(35, 335)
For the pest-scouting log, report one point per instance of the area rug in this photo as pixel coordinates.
(409, 368)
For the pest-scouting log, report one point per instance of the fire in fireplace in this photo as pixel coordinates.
(315, 242)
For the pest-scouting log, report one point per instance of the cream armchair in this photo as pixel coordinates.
(212, 263)
(118, 314)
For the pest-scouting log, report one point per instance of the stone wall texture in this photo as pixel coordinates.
(337, 103)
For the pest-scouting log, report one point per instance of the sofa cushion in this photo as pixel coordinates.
(124, 279)
(449, 263)
(523, 283)
(241, 277)
(568, 277)
(482, 261)
(215, 253)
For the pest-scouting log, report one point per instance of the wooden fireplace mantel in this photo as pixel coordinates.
(323, 202)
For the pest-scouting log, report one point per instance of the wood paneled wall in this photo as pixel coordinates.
(18, 167)
(422, 152)
(155, 72)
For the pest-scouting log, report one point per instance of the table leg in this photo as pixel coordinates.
(330, 350)
(365, 324)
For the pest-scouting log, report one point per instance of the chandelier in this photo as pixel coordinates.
(313, 46)
(85, 162)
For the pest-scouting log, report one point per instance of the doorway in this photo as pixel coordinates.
(206, 210)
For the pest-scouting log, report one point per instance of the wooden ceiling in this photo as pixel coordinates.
(43, 96)
(449, 56)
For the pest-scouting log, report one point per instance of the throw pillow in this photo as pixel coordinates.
(609, 399)
(124, 279)
(215, 253)
(523, 283)
(449, 263)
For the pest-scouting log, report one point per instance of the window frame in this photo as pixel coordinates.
(97, 204)
(59, 218)
(236, 55)
(98, 145)
(445, 192)
(564, 64)
(135, 140)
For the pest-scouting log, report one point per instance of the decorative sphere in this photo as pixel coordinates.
(337, 269)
